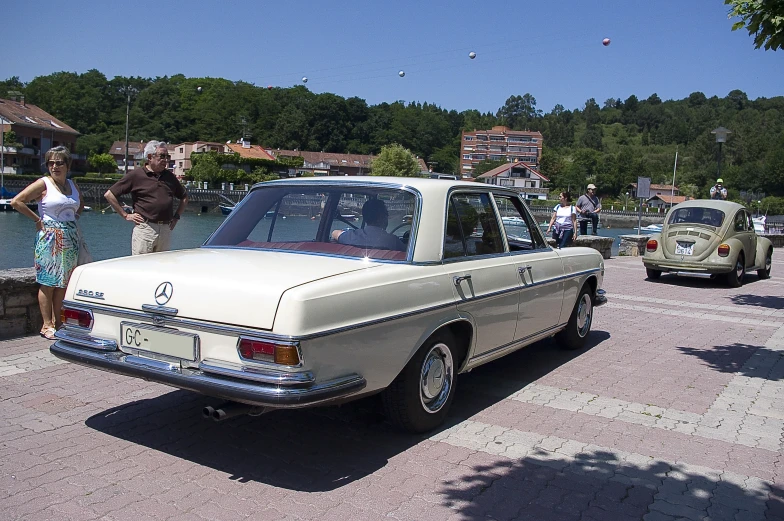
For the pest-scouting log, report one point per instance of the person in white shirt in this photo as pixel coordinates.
(563, 223)
(718, 191)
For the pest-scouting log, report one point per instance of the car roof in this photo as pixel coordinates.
(422, 184)
(725, 206)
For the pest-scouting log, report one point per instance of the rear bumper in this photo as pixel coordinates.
(692, 267)
(297, 392)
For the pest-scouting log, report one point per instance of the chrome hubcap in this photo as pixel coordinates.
(739, 269)
(436, 378)
(768, 262)
(584, 315)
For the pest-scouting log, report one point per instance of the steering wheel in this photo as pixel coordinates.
(396, 228)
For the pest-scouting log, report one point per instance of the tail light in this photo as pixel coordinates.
(652, 245)
(264, 351)
(77, 317)
(724, 250)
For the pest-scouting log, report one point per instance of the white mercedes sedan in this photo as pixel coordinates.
(323, 290)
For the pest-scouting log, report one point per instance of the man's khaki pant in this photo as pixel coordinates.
(150, 237)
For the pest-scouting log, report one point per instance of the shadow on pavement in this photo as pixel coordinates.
(598, 485)
(732, 359)
(764, 301)
(318, 449)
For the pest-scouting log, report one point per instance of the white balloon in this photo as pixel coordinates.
(472, 55)
(198, 89)
(304, 79)
(401, 73)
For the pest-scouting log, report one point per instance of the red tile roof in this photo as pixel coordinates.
(505, 167)
(353, 160)
(255, 151)
(28, 115)
(670, 198)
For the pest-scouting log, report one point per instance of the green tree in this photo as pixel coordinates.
(764, 19)
(103, 163)
(395, 160)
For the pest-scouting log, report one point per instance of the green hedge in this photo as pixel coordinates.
(108, 178)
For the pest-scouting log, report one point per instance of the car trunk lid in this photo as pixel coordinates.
(228, 286)
(694, 242)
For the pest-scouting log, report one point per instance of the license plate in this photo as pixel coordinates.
(684, 248)
(143, 338)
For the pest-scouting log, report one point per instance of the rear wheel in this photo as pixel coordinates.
(652, 273)
(419, 398)
(735, 277)
(764, 273)
(573, 337)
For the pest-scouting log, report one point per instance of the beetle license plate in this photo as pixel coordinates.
(684, 248)
(161, 341)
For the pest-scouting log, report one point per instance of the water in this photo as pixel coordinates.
(108, 236)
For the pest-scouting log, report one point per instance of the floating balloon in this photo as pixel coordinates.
(472, 55)
(269, 87)
(606, 42)
(304, 79)
(198, 89)
(401, 73)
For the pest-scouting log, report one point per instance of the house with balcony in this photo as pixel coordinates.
(499, 144)
(181, 154)
(520, 177)
(667, 190)
(328, 163)
(36, 131)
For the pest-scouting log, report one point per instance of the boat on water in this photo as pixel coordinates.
(513, 221)
(225, 209)
(651, 228)
(759, 224)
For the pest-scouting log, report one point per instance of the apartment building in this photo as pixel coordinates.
(36, 131)
(499, 144)
(326, 163)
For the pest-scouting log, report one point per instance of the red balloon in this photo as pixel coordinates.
(606, 42)
(269, 87)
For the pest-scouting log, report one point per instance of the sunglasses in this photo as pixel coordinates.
(162, 156)
(56, 163)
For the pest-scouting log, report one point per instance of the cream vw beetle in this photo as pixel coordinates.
(708, 238)
(391, 285)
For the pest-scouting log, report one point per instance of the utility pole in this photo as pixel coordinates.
(127, 119)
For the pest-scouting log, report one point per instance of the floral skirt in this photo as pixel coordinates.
(56, 252)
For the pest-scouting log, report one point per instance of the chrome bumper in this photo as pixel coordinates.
(288, 390)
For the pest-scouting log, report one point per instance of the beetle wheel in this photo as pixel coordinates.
(419, 398)
(735, 277)
(764, 273)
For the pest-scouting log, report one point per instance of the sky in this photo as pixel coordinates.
(552, 49)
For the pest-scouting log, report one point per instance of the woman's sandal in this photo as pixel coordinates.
(48, 333)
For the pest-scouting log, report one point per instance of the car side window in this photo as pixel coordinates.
(749, 222)
(740, 221)
(522, 232)
(472, 227)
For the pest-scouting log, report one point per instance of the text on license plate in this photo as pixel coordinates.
(684, 248)
(151, 339)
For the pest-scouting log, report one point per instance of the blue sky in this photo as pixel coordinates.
(549, 49)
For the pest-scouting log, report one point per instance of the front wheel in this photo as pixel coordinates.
(573, 337)
(735, 277)
(419, 398)
(764, 273)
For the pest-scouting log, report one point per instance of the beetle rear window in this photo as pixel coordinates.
(697, 215)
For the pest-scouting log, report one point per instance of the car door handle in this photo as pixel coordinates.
(458, 280)
(523, 269)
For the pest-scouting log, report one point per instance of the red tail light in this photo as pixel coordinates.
(652, 245)
(251, 349)
(77, 317)
(724, 250)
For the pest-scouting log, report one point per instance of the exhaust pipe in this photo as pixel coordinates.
(230, 410)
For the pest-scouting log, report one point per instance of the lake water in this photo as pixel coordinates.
(108, 236)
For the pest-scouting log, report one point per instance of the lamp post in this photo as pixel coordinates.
(721, 137)
(626, 201)
(127, 90)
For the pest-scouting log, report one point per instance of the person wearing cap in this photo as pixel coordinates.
(718, 191)
(588, 207)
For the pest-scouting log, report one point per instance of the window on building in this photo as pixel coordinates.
(469, 138)
(466, 156)
(180, 164)
(182, 150)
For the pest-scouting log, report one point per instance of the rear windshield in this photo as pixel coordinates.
(357, 221)
(696, 215)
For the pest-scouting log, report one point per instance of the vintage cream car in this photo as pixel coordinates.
(708, 238)
(324, 307)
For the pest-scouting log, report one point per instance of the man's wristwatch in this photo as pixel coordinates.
(176, 216)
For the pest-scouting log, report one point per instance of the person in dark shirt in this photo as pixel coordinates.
(374, 234)
(153, 189)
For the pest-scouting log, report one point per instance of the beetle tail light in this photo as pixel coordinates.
(77, 317)
(652, 245)
(724, 250)
(264, 351)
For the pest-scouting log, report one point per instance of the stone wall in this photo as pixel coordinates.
(601, 244)
(19, 312)
(632, 245)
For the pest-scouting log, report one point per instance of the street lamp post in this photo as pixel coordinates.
(626, 201)
(721, 137)
(128, 90)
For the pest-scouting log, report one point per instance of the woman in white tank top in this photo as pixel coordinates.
(57, 244)
(564, 221)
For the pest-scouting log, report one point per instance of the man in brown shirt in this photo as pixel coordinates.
(153, 189)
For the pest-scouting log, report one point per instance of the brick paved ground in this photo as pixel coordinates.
(675, 411)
